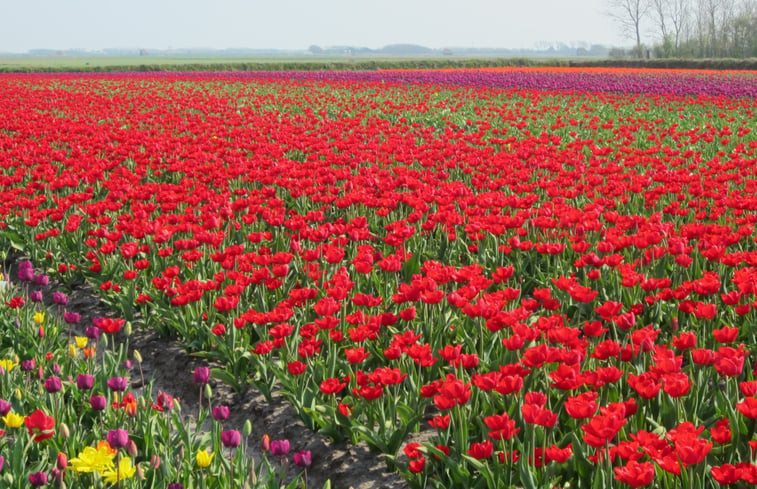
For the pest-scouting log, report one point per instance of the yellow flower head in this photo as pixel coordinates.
(125, 471)
(93, 459)
(7, 364)
(72, 350)
(204, 458)
(81, 342)
(39, 317)
(13, 420)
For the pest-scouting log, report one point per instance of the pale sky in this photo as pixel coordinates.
(296, 24)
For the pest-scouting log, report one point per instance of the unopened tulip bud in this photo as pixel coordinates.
(41, 332)
(208, 392)
(265, 443)
(131, 448)
(127, 328)
(137, 356)
(140, 473)
(62, 461)
(154, 462)
(40, 373)
(247, 428)
(64, 432)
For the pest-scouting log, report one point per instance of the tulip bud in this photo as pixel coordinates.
(18, 393)
(137, 356)
(140, 473)
(41, 332)
(40, 373)
(62, 461)
(208, 391)
(265, 443)
(247, 428)
(131, 448)
(155, 462)
(64, 432)
(127, 328)
(5, 407)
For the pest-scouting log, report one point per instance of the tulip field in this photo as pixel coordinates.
(495, 278)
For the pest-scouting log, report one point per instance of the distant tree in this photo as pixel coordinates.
(315, 49)
(628, 14)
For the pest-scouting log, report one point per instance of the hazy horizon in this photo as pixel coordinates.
(297, 24)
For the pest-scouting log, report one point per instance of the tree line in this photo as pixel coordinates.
(688, 28)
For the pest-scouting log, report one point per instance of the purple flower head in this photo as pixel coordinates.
(303, 458)
(71, 317)
(175, 485)
(98, 403)
(118, 384)
(38, 479)
(2, 462)
(231, 438)
(26, 271)
(5, 407)
(221, 413)
(53, 384)
(92, 332)
(27, 365)
(279, 447)
(118, 438)
(36, 296)
(201, 375)
(56, 368)
(85, 381)
(60, 298)
(127, 364)
(42, 280)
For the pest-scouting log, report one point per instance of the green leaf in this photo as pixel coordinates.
(224, 376)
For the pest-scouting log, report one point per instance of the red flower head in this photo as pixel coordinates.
(635, 474)
(40, 426)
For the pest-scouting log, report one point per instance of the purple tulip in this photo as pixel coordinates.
(201, 375)
(118, 438)
(53, 385)
(98, 403)
(38, 479)
(60, 298)
(175, 485)
(27, 365)
(303, 458)
(279, 447)
(231, 438)
(5, 407)
(85, 381)
(36, 296)
(2, 462)
(118, 384)
(221, 413)
(26, 271)
(72, 318)
(42, 280)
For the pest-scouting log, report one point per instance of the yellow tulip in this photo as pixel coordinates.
(39, 317)
(81, 341)
(13, 420)
(7, 364)
(204, 458)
